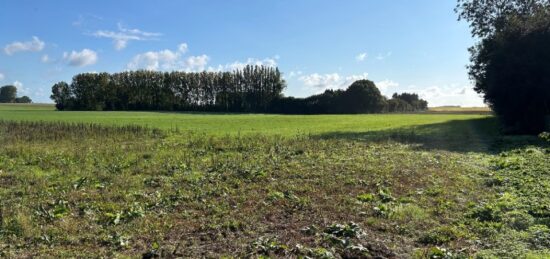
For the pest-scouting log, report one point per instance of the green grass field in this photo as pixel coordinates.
(240, 185)
(221, 124)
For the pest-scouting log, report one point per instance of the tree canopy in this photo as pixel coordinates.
(8, 94)
(253, 89)
(487, 17)
(361, 97)
(509, 65)
(250, 89)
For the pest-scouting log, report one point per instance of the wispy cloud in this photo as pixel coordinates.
(17, 46)
(45, 58)
(382, 56)
(123, 35)
(81, 58)
(2, 76)
(361, 56)
(85, 19)
(293, 74)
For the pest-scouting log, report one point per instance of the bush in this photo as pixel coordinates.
(518, 220)
(539, 236)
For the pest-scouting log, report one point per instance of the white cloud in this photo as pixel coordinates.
(18, 84)
(461, 91)
(382, 56)
(294, 73)
(80, 59)
(34, 45)
(386, 85)
(2, 76)
(20, 89)
(322, 82)
(196, 63)
(452, 94)
(45, 59)
(361, 56)
(350, 79)
(182, 48)
(122, 36)
(168, 60)
(164, 59)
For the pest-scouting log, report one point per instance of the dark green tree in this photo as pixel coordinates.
(62, 96)
(487, 17)
(8, 93)
(509, 65)
(412, 101)
(251, 89)
(363, 97)
(23, 99)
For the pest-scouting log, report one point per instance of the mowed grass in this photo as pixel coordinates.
(221, 124)
(419, 186)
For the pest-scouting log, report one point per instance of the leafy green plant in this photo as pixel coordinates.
(366, 197)
(440, 236)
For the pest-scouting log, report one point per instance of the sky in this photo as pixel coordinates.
(402, 45)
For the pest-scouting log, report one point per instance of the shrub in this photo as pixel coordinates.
(439, 236)
(518, 220)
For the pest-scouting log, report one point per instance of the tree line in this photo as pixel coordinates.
(251, 89)
(362, 96)
(8, 94)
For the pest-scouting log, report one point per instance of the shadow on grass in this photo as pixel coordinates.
(473, 135)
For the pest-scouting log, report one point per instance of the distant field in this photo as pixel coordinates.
(213, 123)
(460, 110)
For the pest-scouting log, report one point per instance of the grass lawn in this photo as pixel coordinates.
(386, 186)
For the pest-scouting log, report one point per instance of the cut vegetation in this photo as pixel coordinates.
(406, 186)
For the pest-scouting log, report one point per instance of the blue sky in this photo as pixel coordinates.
(401, 45)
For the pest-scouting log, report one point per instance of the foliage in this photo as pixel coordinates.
(23, 99)
(253, 89)
(488, 17)
(406, 102)
(514, 34)
(8, 94)
(248, 90)
(361, 97)
(61, 95)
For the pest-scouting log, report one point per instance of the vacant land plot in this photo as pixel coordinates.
(318, 186)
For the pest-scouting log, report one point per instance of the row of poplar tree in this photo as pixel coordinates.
(251, 89)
